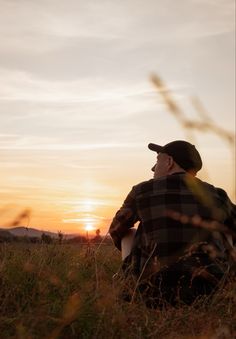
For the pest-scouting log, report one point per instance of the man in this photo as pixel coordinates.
(181, 248)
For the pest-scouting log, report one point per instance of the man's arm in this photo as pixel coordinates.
(230, 209)
(231, 221)
(124, 219)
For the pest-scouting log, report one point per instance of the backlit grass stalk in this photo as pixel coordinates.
(204, 125)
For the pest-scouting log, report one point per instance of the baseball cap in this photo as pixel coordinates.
(183, 153)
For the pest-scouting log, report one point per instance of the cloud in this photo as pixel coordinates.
(65, 115)
(57, 40)
(35, 27)
(27, 145)
(85, 218)
(23, 86)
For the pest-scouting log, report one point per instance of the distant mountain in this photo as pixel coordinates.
(30, 232)
(22, 231)
(5, 234)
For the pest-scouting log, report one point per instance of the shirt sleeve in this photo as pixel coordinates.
(124, 219)
(230, 208)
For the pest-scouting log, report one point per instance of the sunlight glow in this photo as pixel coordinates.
(89, 227)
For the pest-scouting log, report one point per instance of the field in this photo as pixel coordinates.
(67, 291)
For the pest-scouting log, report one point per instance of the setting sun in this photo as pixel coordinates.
(89, 227)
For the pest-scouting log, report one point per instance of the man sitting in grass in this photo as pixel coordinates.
(183, 244)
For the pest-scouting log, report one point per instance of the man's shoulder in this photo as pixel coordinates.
(218, 193)
(144, 185)
(177, 180)
(160, 184)
(210, 187)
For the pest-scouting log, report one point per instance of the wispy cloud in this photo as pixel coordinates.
(102, 38)
(23, 86)
(43, 143)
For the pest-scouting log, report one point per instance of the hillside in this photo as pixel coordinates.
(24, 231)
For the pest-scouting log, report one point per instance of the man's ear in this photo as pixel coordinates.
(171, 162)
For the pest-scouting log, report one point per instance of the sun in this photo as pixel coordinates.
(89, 227)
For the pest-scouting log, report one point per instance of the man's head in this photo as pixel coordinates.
(176, 156)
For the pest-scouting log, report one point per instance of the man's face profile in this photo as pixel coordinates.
(162, 165)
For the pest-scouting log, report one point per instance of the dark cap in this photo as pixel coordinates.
(183, 153)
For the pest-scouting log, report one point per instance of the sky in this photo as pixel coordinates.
(78, 107)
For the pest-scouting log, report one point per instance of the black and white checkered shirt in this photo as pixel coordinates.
(177, 214)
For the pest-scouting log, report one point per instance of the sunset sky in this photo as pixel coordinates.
(78, 108)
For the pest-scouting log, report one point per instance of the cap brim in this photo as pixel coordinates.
(155, 148)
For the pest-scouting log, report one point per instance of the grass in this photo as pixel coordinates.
(67, 291)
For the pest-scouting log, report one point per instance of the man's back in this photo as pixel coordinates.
(175, 214)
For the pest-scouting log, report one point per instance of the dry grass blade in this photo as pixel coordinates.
(70, 313)
(205, 125)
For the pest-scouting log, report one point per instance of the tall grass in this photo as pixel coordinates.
(59, 291)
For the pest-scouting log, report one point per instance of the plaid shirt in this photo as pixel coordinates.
(177, 214)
